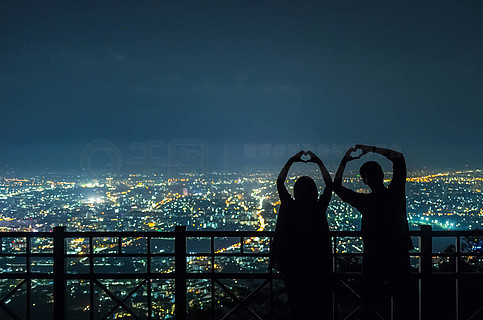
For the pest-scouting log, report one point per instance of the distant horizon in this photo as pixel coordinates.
(158, 155)
(12, 172)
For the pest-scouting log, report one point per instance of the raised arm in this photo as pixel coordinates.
(327, 194)
(347, 195)
(323, 170)
(397, 159)
(282, 176)
(340, 171)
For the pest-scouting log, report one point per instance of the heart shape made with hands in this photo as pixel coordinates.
(305, 157)
(357, 154)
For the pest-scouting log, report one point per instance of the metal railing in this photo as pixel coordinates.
(92, 254)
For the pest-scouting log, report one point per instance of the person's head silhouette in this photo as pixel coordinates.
(305, 190)
(372, 175)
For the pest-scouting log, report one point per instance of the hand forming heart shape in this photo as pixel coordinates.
(306, 157)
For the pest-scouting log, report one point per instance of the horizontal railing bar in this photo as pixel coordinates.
(33, 255)
(98, 255)
(123, 255)
(214, 233)
(21, 234)
(228, 254)
(116, 234)
(34, 275)
(231, 275)
(25, 275)
(220, 254)
(115, 276)
(235, 234)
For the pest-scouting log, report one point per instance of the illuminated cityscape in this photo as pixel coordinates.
(216, 201)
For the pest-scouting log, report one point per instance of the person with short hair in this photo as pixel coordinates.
(384, 226)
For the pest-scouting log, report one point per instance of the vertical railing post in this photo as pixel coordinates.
(334, 282)
(149, 279)
(180, 272)
(425, 268)
(59, 274)
(213, 301)
(457, 280)
(28, 262)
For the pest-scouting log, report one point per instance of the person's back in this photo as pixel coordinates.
(384, 226)
(301, 244)
(307, 234)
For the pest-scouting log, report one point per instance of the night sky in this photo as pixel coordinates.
(241, 72)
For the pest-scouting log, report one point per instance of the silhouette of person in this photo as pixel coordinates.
(385, 229)
(301, 247)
